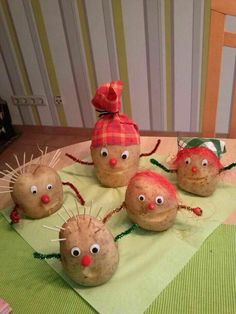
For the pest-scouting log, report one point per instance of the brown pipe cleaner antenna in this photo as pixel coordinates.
(152, 151)
(82, 201)
(79, 160)
(111, 213)
(196, 210)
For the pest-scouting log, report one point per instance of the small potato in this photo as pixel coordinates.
(198, 170)
(115, 164)
(89, 254)
(38, 193)
(151, 201)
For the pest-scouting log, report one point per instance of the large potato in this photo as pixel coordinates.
(89, 254)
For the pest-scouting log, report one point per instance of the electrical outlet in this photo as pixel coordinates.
(32, 100)
(57, 100)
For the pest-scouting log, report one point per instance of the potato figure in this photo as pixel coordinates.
(115, 146)
(38, 193)
(88, 251)
(151, 202)
(197, 170)
(89, 254)
(36, 189)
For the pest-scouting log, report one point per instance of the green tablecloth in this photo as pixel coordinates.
(149, 261)
(205, 285)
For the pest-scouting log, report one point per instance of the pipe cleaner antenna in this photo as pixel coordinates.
(79, 160)
(228, 167)
(158, 164)
(46, 256)
(126, 232)
(196, 210)
(71, 185)
(152, 151)
(111, 213)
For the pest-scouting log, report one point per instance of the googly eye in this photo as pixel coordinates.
(188, 161)
(33, 189)
(125, 154)
(75, 251)
(141, 197)
(49, 186)
(104, 152)
(95, 248)
(205, 162)
(159, 200)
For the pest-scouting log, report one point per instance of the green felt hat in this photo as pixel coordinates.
(216, 145)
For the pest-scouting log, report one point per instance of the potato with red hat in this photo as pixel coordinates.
(115, 145)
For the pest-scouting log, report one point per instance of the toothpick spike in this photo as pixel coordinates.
(46, 150)
(18, 164)
(50, 228)
(90, 209)
(54, 164)
(10, 173)
(73, 215)
(56, 160)
(10, 167)
(2, 192)
(41, 157)
(4, 174)
(30, 163)
(23, 169)
(60, 215)
(14, 176)
(6, 186)
(77, 207)
(9, 181)
(77, 221)
(84, 211)
(99, 212)
(58, 151)
(41, 151)
(66, 211)
(55, 240)
(89, 221)
(61, 228)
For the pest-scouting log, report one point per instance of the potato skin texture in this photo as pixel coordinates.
(121, 173)
(203, 181)
(82, 233)
(30, 204)
(162, 216)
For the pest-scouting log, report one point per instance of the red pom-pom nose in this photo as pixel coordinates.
(113, 162)
(151, 206)
(194, 169)
(45, 199)
(86, 260)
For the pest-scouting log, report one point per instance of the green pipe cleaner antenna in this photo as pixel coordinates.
(229, 167)
(157, 163)
(46, 256)
(126, 232)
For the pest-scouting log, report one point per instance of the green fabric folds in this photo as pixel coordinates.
(149, 261)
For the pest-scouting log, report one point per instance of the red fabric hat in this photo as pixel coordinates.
(113, 128)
